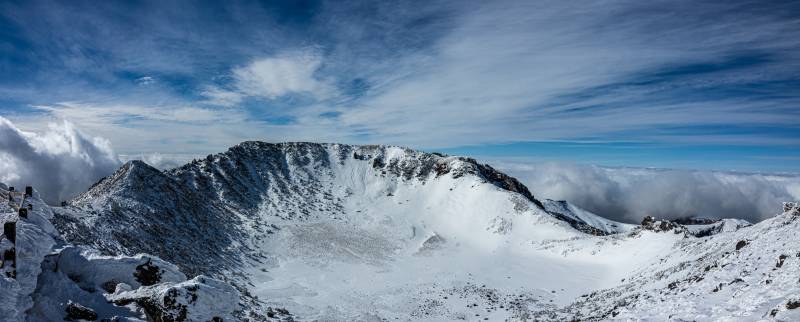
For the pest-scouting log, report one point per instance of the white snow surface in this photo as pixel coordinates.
(335, 232)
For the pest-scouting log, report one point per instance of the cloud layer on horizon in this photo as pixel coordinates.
(60, 162)
(628, 194)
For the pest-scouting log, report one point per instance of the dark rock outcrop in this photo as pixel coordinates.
(77, 312)
(147, 274)
(10, 231)
(792, 208)
(197, 299)
(650, 223)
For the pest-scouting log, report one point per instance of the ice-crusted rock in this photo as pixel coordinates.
(77, 312)
(33, 238)
(792, 208)
(54, 281)
(92, 281)
(650, 223)
(199, 299)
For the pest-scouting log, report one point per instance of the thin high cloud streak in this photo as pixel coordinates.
(628, 194)
(443, 74)
(558, 71)
(59, 162)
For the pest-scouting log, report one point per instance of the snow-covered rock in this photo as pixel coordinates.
(50, 280)
(746, 274)
(716, 227)
(24, 244)
(198, 299)
(792, 208)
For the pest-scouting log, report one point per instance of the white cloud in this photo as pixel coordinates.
(146, 80)
(497, 75)
(292, 72)
(60, 162)
(217, 96)
(628, 194)
(445, 73)
(123, 113)
(138, 130)
(474, 73)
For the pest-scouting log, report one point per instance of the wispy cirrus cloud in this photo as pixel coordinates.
(121, 114)
(443, 74)
(523, 71)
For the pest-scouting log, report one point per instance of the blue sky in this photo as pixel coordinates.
(684, 84)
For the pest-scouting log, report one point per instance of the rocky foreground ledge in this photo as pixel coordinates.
(46, 279)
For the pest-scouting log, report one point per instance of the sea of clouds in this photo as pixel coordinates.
(628, 194)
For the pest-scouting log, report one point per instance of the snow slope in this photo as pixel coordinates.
(745, 275)
(335, 232)
(49, 280)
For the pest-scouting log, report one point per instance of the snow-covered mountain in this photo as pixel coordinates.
(46, 279)
(752, 273)
(333, 232)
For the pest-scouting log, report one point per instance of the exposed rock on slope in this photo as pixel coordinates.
(51, 280)
(718, 226)
(745, 274)
(586, 221)
(140, 203)
(193, 300)
(692, 226)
